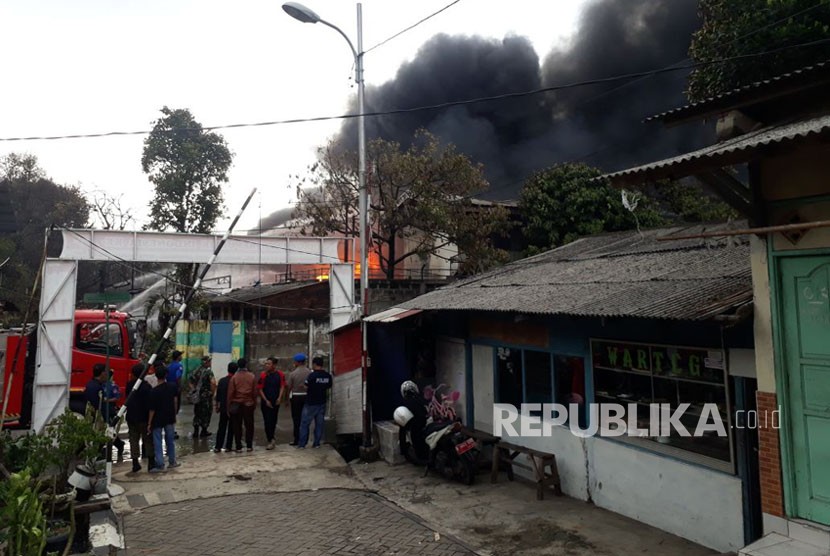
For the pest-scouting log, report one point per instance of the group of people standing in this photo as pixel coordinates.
(152, 409)
(238, 393)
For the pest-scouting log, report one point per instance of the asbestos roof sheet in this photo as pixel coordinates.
(252, 293)
(781, 84)
(733, 151)
(628, 274)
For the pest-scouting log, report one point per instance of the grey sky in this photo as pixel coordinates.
(89, 66)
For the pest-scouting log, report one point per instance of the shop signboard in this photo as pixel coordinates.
(687, 363)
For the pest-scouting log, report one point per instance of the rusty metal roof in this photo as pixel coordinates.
(757, 91)
(624, 274)
(733, 151)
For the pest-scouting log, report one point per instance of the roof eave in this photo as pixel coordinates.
(664, 169)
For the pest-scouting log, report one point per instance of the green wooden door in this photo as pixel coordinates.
(805, 307)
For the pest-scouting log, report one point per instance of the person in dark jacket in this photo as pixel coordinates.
(94, 391)
(138, 413)
(97, 395)
(271, 391)
(317, 384)
(162, 420)
(220, 405)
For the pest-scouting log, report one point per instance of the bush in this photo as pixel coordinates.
(22, 516)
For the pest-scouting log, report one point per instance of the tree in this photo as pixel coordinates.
(688, 201)
(188, 166)
(109, 212)
(32, 203)
(733, 28)
(421, 194)
(566, 201)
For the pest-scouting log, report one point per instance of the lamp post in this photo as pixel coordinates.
(306, 15)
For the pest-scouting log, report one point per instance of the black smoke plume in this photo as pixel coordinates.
(600, 125)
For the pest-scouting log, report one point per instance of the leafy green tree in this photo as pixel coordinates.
(732, 28)
(32, 202)
(188, 166)
(421, 195)
(688, 201)
(565, 202)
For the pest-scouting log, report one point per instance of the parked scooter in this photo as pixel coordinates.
(440, 445)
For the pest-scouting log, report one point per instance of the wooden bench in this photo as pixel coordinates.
(542, 464)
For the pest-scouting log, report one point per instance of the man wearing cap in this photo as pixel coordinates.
(202, 387)
(297, 391)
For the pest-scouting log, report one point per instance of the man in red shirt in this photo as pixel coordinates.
(271, 392)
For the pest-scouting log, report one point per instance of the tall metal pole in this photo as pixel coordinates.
(363, 201)
(306, 15)
(363, 210)
(171, 328)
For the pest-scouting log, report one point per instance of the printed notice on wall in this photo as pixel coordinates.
(713, 360)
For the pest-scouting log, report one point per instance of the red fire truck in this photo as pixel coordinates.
(96, 336)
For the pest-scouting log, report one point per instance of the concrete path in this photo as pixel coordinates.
(229, 496)
(306, 523)
(506, 519)
(205, 475)
(312, 502)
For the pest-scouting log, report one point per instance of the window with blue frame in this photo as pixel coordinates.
(534, 376)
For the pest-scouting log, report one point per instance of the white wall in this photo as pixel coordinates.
(347, 400)
(450, 356)
(690, 501)
(571, 458)
(483, 387)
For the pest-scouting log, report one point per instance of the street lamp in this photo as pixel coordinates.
(307, 15)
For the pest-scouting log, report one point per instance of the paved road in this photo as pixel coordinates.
(305, 523)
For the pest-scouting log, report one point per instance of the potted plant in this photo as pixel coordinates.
(24, 523)
(59, 534)
(67, 443)
(76, 440)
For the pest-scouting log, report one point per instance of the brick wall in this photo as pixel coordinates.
(769, 455)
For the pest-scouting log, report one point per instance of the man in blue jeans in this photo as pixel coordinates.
(318, 382)
(162, 420)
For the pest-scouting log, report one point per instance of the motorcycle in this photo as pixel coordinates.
(451, 453)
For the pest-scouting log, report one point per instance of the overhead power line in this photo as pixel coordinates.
(439, 106)
(401, 32)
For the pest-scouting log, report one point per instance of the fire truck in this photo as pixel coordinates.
(98, 336)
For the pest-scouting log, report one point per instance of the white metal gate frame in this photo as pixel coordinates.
(57, 302)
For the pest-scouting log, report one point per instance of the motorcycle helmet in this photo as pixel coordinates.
(409, 389)
(402, 416)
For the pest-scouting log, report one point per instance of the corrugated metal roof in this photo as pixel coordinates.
(743, 94)
(252, 293)
(732, 151)
(392, 315)
(622, 274)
